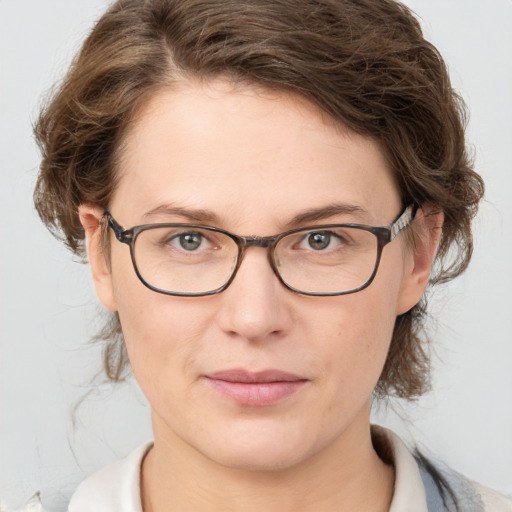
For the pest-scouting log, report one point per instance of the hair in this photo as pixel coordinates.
(363, 62)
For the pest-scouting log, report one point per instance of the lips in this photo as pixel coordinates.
(255, 389)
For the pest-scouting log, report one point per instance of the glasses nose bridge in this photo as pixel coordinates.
(258, 241)
(265, 242)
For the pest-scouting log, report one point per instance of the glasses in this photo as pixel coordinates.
(191, 260)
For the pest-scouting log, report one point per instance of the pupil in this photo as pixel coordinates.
(319, 241)
(190, 242)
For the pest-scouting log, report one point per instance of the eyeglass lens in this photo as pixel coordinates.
(195, 260)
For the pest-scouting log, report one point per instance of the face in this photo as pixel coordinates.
(251, 162)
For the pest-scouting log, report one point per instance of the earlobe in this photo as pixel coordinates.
(422, 251)
(91, 220)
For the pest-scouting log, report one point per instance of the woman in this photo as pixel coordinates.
(262, 190)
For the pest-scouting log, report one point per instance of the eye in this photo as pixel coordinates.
(189, 241)
(321, 240)
(176, 239)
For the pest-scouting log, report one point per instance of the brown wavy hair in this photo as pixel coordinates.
(364, 62)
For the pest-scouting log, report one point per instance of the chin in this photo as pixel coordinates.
(262, 459)
(259, 449)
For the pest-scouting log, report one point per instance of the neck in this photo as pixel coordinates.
(346, 475)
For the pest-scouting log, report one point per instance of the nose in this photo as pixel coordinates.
(254, 306)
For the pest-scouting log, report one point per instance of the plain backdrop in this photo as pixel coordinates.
(48, 310)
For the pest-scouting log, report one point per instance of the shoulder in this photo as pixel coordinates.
(493, 501)
(457, 492)
(114, 487)
(422, 484)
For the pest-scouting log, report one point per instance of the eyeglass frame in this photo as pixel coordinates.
(383, 234)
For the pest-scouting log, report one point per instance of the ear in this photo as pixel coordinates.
(91, 220)
(420, 256)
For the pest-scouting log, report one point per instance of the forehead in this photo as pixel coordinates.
(245, 153)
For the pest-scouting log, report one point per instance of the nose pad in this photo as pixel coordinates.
(277, 261)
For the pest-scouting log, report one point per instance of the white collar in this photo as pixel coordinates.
(409, 493)
(116, 487)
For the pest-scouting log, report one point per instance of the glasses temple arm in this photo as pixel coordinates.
(405, 218)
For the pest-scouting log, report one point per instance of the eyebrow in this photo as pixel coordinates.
(316, 214)
(208, 217)
(194, 215)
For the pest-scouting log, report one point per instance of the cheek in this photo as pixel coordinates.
(153, 325)
(163, 341)
(161, 332)
(356, 346)
(363, 342)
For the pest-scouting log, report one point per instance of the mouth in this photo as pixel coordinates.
(255, 389)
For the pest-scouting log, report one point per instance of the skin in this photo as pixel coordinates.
(255, 160)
